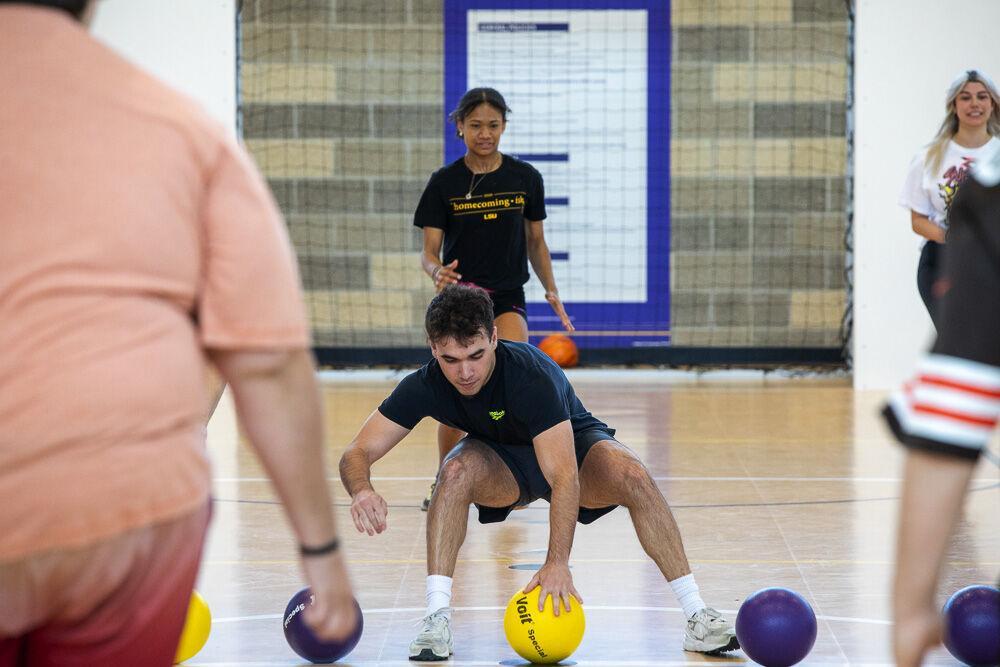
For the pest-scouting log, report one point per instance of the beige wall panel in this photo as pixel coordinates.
(694, 270)
(796, 337)
(818, 230)
(279, 82)
(769, 82)
(386, 232)
(820, 81)
(368, 338)
(709, 195)
(692, 116)
(690, 83)
(711, 157)
(726, 157)
(327, 235)
(308, 235)
(293, 158)
(729, 12)
(420, 40)
(711, 336)
(758, 157)
(426, 157)
(397, 270)
(266, 42)
(817, 309)
(371, 157)
(361, 309)
(416, 86)
(302, 42)
(773, 157)
(799, 43)
(421, 298)
(819, 156)
(331, 44)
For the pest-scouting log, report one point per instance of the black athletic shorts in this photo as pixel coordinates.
(508, 301)
(523, 464)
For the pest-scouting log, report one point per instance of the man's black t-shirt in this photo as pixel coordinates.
(527, 394)
(484, 232)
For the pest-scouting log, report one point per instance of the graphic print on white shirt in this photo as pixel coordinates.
(931, 194)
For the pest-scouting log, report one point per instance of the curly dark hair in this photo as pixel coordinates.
(461, 312)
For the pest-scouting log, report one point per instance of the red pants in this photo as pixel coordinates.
(121, 601)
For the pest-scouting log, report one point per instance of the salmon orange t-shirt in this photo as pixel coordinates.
(134, 235)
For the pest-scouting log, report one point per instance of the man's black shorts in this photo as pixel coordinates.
(523, 464)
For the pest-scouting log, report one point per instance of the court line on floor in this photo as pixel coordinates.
(661, 478)
(588, 608)
(673, 506)
(593, 561)
(685, 378)
(582, 662)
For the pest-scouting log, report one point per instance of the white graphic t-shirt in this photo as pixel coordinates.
(987, 169)
(931, 194)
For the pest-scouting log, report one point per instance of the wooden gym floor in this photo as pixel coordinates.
(774, 483)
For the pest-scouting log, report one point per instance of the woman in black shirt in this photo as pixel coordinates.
(485, 211)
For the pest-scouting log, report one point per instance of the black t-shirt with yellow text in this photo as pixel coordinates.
(484, 231)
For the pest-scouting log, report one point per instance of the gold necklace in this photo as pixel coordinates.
(473, 183)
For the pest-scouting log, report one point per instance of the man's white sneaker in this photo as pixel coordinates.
(434, 640)
(708, 632)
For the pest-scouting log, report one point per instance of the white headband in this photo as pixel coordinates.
(956, 86)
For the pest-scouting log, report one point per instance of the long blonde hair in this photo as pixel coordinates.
(949, 127)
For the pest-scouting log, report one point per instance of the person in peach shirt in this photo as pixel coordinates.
(138, 246)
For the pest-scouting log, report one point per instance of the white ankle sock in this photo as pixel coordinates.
(438, 593)
(687, 594)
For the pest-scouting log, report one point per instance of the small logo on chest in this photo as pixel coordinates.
(496, 415)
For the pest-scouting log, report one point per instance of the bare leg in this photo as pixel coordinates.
(613, 475)
(448, 437)
(926, 522)
(472, 473)
(512, 326)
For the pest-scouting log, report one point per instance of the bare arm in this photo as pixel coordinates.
(923, 226)
(541, 262)
(377, 436)
(430, 259)
(926, 522)
(557, 459)
(278, 404)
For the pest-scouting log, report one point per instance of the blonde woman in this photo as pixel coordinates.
(969, 130)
